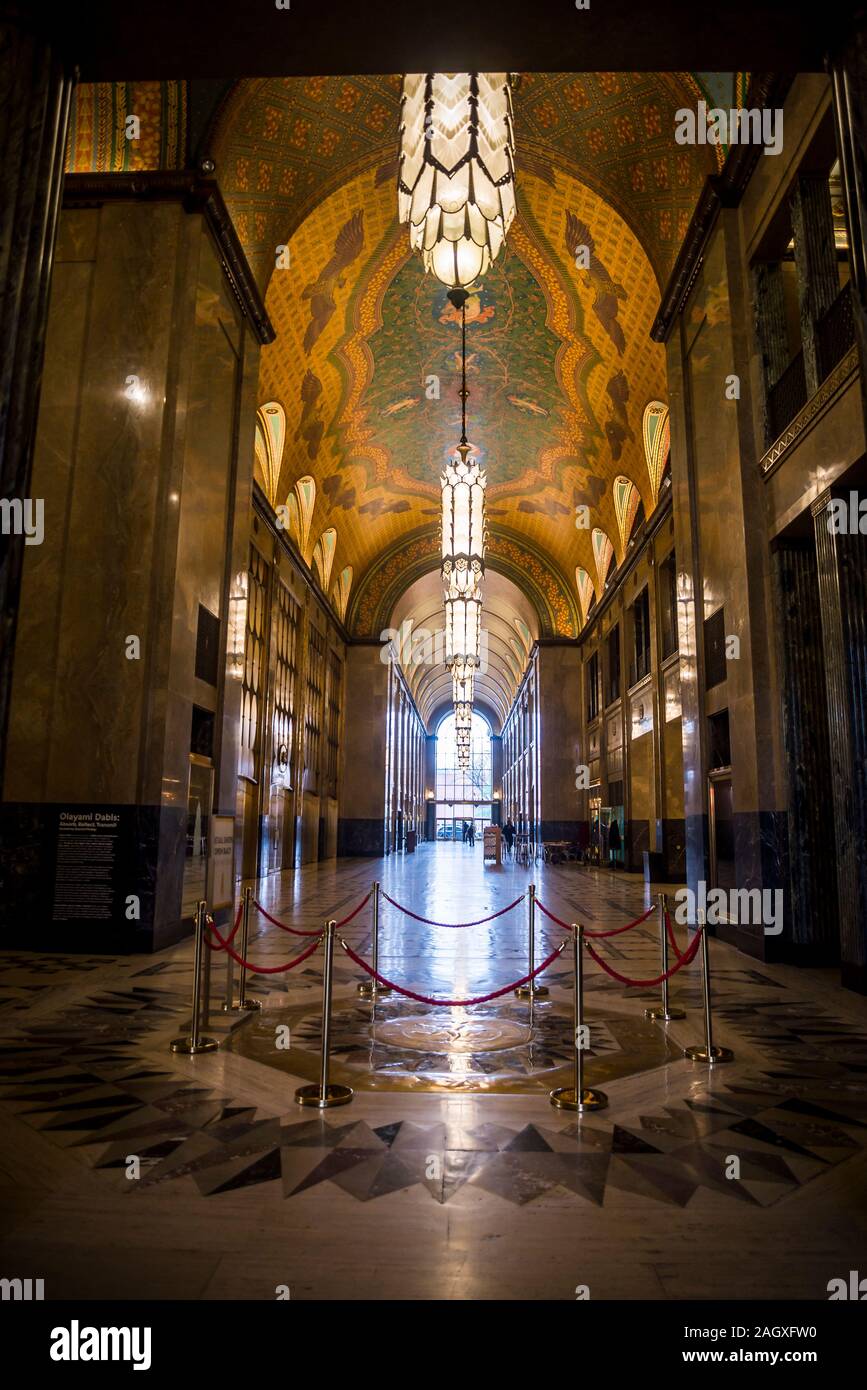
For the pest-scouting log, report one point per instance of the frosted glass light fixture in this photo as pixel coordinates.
(456, 179)
(463, 521)
(463, 544)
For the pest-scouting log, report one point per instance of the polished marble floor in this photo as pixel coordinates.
(449, 1175)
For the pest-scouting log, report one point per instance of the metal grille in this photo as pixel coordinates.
(835, 333)
(313, 712)
(786, 397)
(285, 670)
(335, 676)
(254, 644)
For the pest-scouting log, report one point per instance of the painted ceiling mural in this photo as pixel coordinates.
(561, 369)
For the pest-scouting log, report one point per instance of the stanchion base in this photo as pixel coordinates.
(369, 989)
(186, 1045)
(699, 1053)
(334, 1095)
(532, 991)
(564, 1099)
(659, 1012)
(242, 1006)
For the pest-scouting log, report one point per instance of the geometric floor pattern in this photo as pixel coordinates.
(666, 1156)
(80, 1087)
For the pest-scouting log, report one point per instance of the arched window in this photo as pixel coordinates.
(463, 794)
(656, 433)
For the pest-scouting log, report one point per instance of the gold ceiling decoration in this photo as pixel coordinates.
(561, 369)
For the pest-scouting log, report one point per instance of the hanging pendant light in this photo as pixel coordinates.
(462, 690)
(456, 181)
(463, 541)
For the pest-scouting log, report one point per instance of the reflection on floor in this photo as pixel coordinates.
(450, 1105)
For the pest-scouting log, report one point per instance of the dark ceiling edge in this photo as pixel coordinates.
(171, 40)
(196, 194)
(723, 190)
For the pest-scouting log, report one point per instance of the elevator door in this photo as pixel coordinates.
(722, 830)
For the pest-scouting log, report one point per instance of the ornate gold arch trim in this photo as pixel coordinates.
(415, 555)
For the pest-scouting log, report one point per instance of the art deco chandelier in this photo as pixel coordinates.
(463, 560)
(456, 180)
(456, 190)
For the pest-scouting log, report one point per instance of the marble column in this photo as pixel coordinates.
(842, 569)
(365, 805)
(558, 742)
(144, 455)
(35, 90)
(812, 848)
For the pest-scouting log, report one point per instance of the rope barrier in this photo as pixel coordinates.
(232, 934)
(264, 969)
(449, 1003)
(685, 959)
(296, 931)
(429, 923)
(672, 939)
(615, 931)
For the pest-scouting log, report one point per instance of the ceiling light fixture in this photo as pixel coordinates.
(463, 545)
(456, 178)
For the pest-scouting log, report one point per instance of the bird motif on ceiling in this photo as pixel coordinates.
(608, 293)
(348, 245)
(617, 427)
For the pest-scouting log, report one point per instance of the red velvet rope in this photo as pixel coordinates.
(451, 1003)
(284, 926)
(231, 937)
(686, 959)
(264, 969)
(672, 939)
(428, 923)
(615, 931)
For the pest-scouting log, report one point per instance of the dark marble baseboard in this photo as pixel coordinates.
(637, 840)
(673, 840)
(575, 831)
(854, 977)
(359, 835)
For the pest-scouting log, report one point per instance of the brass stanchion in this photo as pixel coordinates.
(244, 1003)
(664, 1010)
(578, 1097)
(325, 1094)
(532, 990)
(370, 988)
(193, 1042)
(707, 1051)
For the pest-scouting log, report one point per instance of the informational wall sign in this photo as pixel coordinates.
(221, 868)
(88, 858)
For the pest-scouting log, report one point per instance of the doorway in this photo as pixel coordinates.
(722, 830)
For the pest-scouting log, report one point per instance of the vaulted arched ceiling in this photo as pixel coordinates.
(509, 626)
(561, 368)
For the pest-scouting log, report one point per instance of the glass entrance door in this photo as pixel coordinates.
(451, 819)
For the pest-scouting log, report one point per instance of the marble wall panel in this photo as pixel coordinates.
(560, 723)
